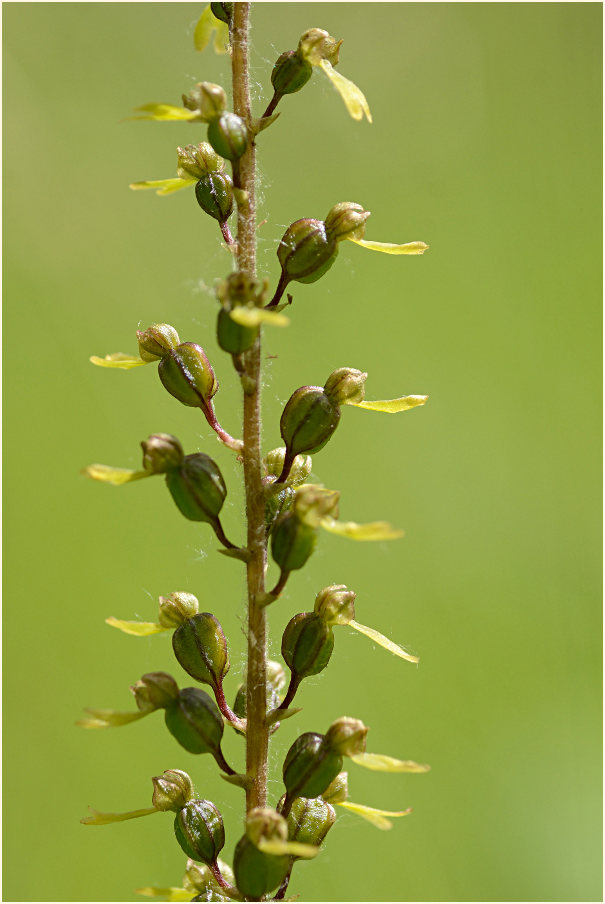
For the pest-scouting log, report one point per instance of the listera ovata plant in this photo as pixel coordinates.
(284, 511)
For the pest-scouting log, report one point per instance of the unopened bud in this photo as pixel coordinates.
(310, 766)
(346, 386)
(308, 420)
(305, 252)
(198, 160)
(307, 645)
(155, 690)
(156, 341)
(171, 790)
(206, 99)
(187, 374)
(310, 820)
(198, 488)
(228, 136)
(200, 646)
(233, 337)
(291, 72)
(195, 721)
(299, 471)
(200, 831)
(292, 542)
(214, 194)
(335, 605)
(346, 221)
(337, 791)
(176, 608)
(162, 452)
(314, 503)
(347, 736)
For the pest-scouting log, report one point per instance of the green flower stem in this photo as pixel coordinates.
(226, 710)
(280, 894)
(272, 104)
(257, 736)
(229, 889)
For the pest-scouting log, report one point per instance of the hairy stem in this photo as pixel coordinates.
(257, 736)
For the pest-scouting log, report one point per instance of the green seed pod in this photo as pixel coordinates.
(299, 472)
(198, 488)
(310, 766)
(257, 873)
(335, 605)
(310, 820)
(214, 194)
(228, 136)
(195, 721)
(308, 421)
(292, 542)
(307, 645)
(200, 646)
(162, 452)
(187, 374)
(171, 790)
(338, 790)
(177, 608)
(346, 221)
(232, 337)
(200, 831)
(345, 386)
(347, 736)
(155, 690)
(198, 160)
(291, 72)
(156, 341)
(305, 252)
(222, 11)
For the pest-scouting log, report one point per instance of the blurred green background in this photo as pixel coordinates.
(486, 145)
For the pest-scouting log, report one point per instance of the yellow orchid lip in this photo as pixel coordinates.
(136, 628)
(104, 819)
(379, 762)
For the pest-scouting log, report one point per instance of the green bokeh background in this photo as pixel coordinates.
(486, 144)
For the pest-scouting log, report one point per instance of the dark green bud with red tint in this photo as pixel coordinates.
(156, 341)
(200, 646)
(309, 768)
(228, 135)
(195, 721)
(290, 73)
(308, 421)
(187, 374)
(305, 252)
(307, 645)
(162, 452)
(198, 488)
(214, 194)
(292, 542)
(200, 831)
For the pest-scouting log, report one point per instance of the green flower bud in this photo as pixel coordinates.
(161, 453)
(347, 736)
(291, 72)
(214, 194)
(198, 160)
(222, 11)
(213, 100)
(233, 337)
(195, 721)
(308, 421)
(200, 646)
(346, 221)
(292, 542)
(228, 136)
(198, 488)
(156, 341)
(338, 791)
(305, 251)
(314, 503)
(307, 645)
(200, 831)
(155, 690)
(257, 873)
(177, 608)
(335, 605)
(346, 386)
(187, 374)
(299, 471)
(171, 790)
(310, 766)
(199, 878)
(310, 820)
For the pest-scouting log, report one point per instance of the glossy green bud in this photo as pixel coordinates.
(198, 488)
(187, 374)
(228, 136)
(155, 690)
(305, 252)
(233, 337)
(214, 194)
(310, 766)
(310, 820)
(210, 895)
(198, 160)
(292, 542)
(346, 221)
(291, 72)
(200, 831)
(346, 386)
(314, 503)
(156, 341)
(307, 645)
(162, 452)
(222, 11)
(338, 790)
(195, 721)
(299, 471)
(200, 646)
(335, 605)
(257, 873)
(308, 420)
(171, 790)
(347, 736)
(176, 608)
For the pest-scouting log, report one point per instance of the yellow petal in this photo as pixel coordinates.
(207, 23)
(376, 817)
(255, 316)
(378, 762)
(392, 406)
(104, 819)
(354, 98)
(293, 848)
(118, 359)
(115, 476)
(137, 628)
(375, 530)
(171, 893)
(165, 113)
(383, 641)
(108, 718)
(163, 186)
(389, 248)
